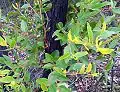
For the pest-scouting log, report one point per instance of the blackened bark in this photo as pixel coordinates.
(56, 14)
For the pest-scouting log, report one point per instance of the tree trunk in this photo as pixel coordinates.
(56, 14)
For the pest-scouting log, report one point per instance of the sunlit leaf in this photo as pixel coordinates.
(97, 40)
(69, 36)
(75, 40)
(7, 79)
(104, 26)
(82, 70)
(3, 42)
(89, 68)
(105, 50)
(43, 83)
(65, 56)
(95, 74)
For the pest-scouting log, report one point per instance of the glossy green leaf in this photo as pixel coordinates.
(3, 42)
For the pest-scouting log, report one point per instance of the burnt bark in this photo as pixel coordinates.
(55, 15)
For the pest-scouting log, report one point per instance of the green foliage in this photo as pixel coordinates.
(86, 32)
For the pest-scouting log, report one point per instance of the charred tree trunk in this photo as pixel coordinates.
(56, 14)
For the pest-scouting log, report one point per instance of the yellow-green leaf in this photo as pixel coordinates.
(76, 40)
(3, 42)
(44, 87)
(95, 74)
(69, 36)
(104, 26)
(82, 70)
(105, 50)
(97, 40)
(89, 68)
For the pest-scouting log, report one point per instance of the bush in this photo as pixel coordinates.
(88, 32)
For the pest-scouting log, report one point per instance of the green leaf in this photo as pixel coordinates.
(94, 68)
(113, 43)
(90, 33)
(84, 60)
(54, 76)
(43, 83)
(49, 58)
(44, 87)
(65, 56)
(27, 76)
(55, 54)
(60, 25)
(77, 66)
(97, 5)
(61, 64)
(48, 66)
(115, 29)
(7, 79)
(13, 43)
(107, 34)
(24, 26)
(70, 48)
(109, 19)
(23, 88)
(4, 72)
(8, 62)
(83, 16)
(109, 65)
(116, 10)
(25, 6)
(79, 54)
(52, 88)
